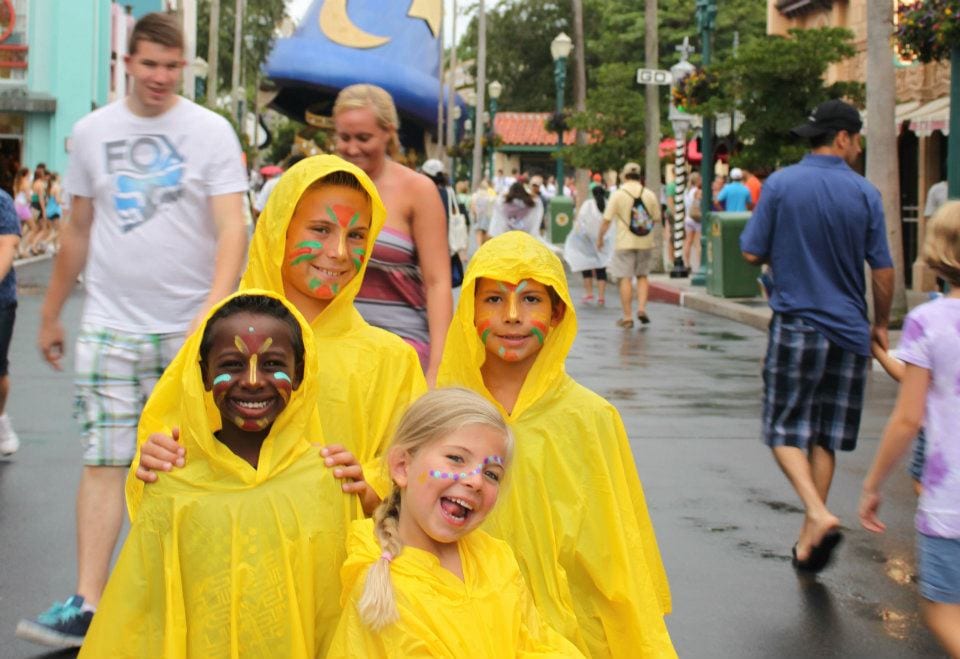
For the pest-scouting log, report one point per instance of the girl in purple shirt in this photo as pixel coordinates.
(930, 395)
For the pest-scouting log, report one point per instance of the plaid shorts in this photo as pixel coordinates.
(812, 388)
(115, 373)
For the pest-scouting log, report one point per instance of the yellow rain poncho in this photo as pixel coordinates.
(574, 512)
(367, 376)
(224, 560)
(488, 614)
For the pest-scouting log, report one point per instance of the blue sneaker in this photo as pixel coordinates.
(63, 625)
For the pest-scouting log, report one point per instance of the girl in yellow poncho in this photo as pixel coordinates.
(237, 554)
(310, 245)
(420, 579)
(575, 515)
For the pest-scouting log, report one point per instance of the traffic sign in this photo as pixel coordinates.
(653, 77)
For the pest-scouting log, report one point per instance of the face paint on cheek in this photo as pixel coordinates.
(283, 384)
(304, 251)
(221, 384)
(539, 329)
(358, 259)
(483, 329)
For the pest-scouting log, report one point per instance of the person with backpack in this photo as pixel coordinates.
(635, 211)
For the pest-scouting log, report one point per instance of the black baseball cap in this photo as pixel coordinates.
(830, 115)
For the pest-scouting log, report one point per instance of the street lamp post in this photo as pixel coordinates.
(494, 89)
(560, 49)
(706, 17)
(680, 120)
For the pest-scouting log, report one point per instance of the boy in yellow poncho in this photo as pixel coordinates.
(310, 245)
(575, 515)
(237, 554)
(421, 578)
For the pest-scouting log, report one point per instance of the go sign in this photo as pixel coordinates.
(653, 77)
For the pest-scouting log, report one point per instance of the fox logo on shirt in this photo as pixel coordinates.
(147, 171)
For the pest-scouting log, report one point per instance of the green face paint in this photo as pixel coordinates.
(223, 377)
(358, 259)
(280, 375)
(304, 251)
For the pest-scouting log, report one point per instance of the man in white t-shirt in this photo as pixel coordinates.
(157, 226)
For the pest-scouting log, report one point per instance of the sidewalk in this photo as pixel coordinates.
(750, 311)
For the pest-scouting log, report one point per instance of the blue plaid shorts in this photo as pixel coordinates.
(812, 388)
(115, 373)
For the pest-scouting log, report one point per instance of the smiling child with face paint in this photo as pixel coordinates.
(575, 514)
(311, 245)
(421, 579)
(237, 553)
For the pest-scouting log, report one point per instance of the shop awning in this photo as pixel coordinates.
(931, 116)
(900, 114)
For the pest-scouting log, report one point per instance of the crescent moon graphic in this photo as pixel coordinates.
(338, 28)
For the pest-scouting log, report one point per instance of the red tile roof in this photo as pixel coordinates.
(527, 129)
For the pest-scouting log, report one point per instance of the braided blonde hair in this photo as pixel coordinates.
(378, 101)
(433, 416)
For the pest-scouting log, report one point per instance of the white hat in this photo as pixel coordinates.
(736, 173)
(433, 167)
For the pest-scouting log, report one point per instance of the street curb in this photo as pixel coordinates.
(748, 311)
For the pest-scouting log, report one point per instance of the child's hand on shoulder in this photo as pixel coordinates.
(346, 467)
(161, 452)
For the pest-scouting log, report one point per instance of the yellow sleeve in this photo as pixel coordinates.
(406, 383)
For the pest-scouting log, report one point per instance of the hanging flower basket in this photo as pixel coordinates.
(927, 29)
(695, 90)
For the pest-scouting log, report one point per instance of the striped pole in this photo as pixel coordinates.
(679, 212)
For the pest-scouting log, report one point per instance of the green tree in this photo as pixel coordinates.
(775, 82)
(259, 29)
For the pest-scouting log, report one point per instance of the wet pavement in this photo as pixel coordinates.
(688, 387)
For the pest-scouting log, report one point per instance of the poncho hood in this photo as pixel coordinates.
(510, 257)
(267, 249)
(180, 400)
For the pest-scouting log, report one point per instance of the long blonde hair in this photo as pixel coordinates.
(379, 101)
(433, 416)
(941, 248)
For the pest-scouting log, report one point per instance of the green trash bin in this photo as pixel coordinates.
(728, 274)
(560, 222)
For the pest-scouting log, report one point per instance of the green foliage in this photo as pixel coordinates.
(248, 148)
(259, 23)
(775, 82)
(614, 118)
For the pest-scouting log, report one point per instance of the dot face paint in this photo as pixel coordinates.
(445, 475)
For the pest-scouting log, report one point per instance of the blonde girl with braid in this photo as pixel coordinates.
(420, 578)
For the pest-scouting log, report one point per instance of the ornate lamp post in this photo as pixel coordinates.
(680, 121)
(494, 89)
(560, 49)
(706, 19)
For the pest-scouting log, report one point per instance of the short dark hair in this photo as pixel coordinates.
(159, 28)
(823, 139)
(632, 176)
(262, 305)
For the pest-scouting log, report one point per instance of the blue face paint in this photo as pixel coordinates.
(223, 377)
(280, 375)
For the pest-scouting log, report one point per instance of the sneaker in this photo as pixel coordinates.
(63, 625)
(9, 442)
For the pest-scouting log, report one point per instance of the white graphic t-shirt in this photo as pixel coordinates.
(153, 240)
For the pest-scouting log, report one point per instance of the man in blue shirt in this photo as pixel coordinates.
(816, 223)
(735, 196)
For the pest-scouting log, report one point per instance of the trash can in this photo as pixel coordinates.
(560, 213)
(728, 274)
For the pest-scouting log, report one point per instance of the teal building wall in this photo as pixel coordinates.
(69, 60)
